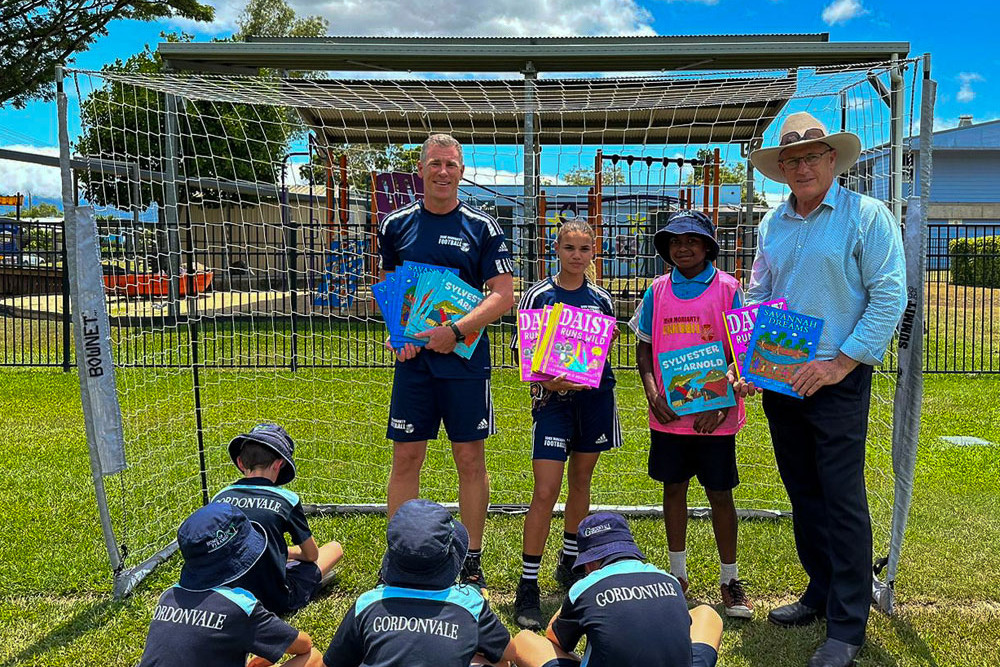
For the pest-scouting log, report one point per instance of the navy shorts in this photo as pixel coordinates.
(420, 402)
(703, 655)
(587, 422)
(675, 458)
(302, 579)
(562, 662)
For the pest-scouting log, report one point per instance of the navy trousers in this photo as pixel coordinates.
(819, 444)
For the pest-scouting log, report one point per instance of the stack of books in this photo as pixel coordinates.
(563, 340)
(418, 297)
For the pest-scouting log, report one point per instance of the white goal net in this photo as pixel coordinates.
(236, 220)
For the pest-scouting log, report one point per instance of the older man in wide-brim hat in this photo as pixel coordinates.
(836, 255)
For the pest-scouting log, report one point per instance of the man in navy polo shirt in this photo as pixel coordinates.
(436, 385)
(420, 617)
(632, 613)
(202, 621)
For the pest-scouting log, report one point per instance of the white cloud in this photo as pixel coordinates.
(965, 91)
(25, 177)
(842, 11)
(508, 18)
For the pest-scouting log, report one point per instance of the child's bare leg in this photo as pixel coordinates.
(548, 483)
(675, 514)
(312, 659)
(724, 523)
(706, 626)
(534, 650)
(329, 554)
(580, 474)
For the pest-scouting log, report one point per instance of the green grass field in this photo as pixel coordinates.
(56, 609)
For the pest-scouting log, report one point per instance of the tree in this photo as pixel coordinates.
(42, 210)
(218, 140)
(583, 176)
(275, 18)
(727, 174)
(127, 123)
(362, 160)
(40, 34)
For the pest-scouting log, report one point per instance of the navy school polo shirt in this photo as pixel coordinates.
(395, 627)
(632, 613)
(465, 239)
(587, 296)
(214, 628)
(278, 511)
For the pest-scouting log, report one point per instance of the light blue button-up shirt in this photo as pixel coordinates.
(842, 263)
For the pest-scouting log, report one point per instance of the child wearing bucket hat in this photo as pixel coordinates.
(203, 620)
(631, 612)
(419, 616)
(683, 308)
(285, 579)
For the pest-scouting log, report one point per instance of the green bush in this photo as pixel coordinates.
(975, 262)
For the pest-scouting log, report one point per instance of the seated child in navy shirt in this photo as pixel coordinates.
(286, 578)
(632, 613)
(420, 617)
(203, 622)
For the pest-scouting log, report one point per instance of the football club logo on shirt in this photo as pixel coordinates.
(454, 241)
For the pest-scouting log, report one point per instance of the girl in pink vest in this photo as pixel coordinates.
(683, 308)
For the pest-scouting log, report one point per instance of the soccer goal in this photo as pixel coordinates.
(225, 249)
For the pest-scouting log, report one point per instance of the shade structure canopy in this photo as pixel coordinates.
(564, 111)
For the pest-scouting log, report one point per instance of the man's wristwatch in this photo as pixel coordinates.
(459, 336)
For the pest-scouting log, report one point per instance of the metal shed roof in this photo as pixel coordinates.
(512, 54)
(573, 111)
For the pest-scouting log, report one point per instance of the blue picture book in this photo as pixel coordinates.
(694, 379)
(405, 293)
(382, 292)
(448, 300)
(783, 341)
(426, 285)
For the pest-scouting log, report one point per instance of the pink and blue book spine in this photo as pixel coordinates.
(577, 345)
(530, 322)
(694, 379)
(739, 329)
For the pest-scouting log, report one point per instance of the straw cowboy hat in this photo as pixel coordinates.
(800, 129)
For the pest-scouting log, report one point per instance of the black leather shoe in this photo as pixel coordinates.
(834, 653)
(795, 614)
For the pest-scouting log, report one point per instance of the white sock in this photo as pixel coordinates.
(727, 572)
(678, 564)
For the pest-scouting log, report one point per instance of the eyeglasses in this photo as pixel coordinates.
(811, 160)
(811, 133)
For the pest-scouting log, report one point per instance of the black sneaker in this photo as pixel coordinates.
(527, 608)
(564, 574)
(472, 573)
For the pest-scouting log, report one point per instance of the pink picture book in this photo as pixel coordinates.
(574, 343)
(739, 329)
(530, 322)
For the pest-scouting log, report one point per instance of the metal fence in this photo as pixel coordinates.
(318, 316)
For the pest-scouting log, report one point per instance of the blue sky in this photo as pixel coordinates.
(961, 37)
